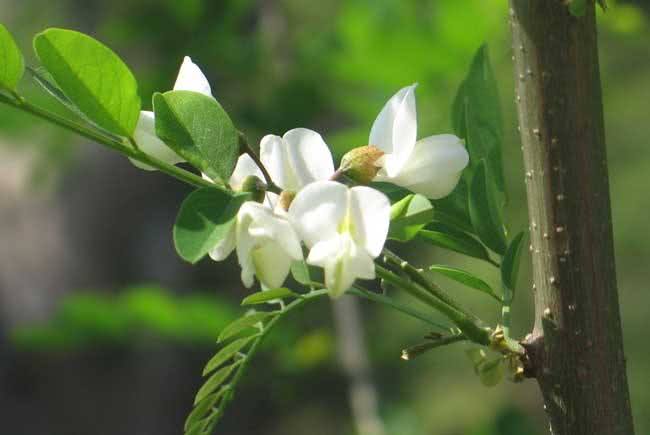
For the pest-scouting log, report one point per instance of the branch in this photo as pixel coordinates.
(123, 146)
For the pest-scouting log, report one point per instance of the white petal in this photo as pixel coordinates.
(244, 168)
(343, 262)
(370, 214)
(150, 144)
(245, 243)
(272, 265)
(309, 156)
(191, 78)
(278, 230)
(273, 154)
(395, 130)
(266, 245)
(318, 209)
(435, 166)
(224, 247)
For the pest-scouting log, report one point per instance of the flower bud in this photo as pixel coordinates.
(254, 186)
(362, 164)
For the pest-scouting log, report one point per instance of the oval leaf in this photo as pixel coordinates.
(408, 216)
(12, 64)
(485, 217)
(476, 115)
(197, 128)
(268, 295)
(510, 264)
(465, 278)
(454, 240)
(206, 217)
(214, 381)
(93, 77)
(226, 353)
(203, 408)
(242, 324)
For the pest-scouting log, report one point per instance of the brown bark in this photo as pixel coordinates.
(576, 348)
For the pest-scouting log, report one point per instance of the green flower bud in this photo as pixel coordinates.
(361, 164)
(255, 186)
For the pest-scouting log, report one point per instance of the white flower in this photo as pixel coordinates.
(190, 78)
(431, 166)
(266, 245)
(344, 228)
(294, 160)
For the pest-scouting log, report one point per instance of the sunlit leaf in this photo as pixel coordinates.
(12, 64)
(268, 295)
(93, 77)
(408, 216)
(198, 129)
(205, 218)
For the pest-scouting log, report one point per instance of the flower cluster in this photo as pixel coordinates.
(343, 227)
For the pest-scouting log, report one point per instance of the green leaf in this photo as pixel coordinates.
(203, 408)
(198, 129)
(408, 216)
(206, 217)
(268, 295)
(445, 237)
(476, 116)
(242, 324)
(486, 219)
(214, 382)
(12, 64)
(93, 77)
(466, 278)
(226, 353)
(510, 264)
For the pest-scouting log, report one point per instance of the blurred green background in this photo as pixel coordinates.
(104, 330)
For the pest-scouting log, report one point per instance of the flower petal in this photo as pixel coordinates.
(317, 211)
(266, 245)
(343, 262)
(272, 265)
(279, 230)
(273, 154)
(191, 78)
(395, 130)
(435, 166)
(370, 214)
(309, 156)
(150, 144)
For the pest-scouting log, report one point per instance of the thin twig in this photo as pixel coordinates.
(246, 148)
(181, 174)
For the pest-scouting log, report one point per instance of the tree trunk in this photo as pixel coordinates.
(575, 350)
